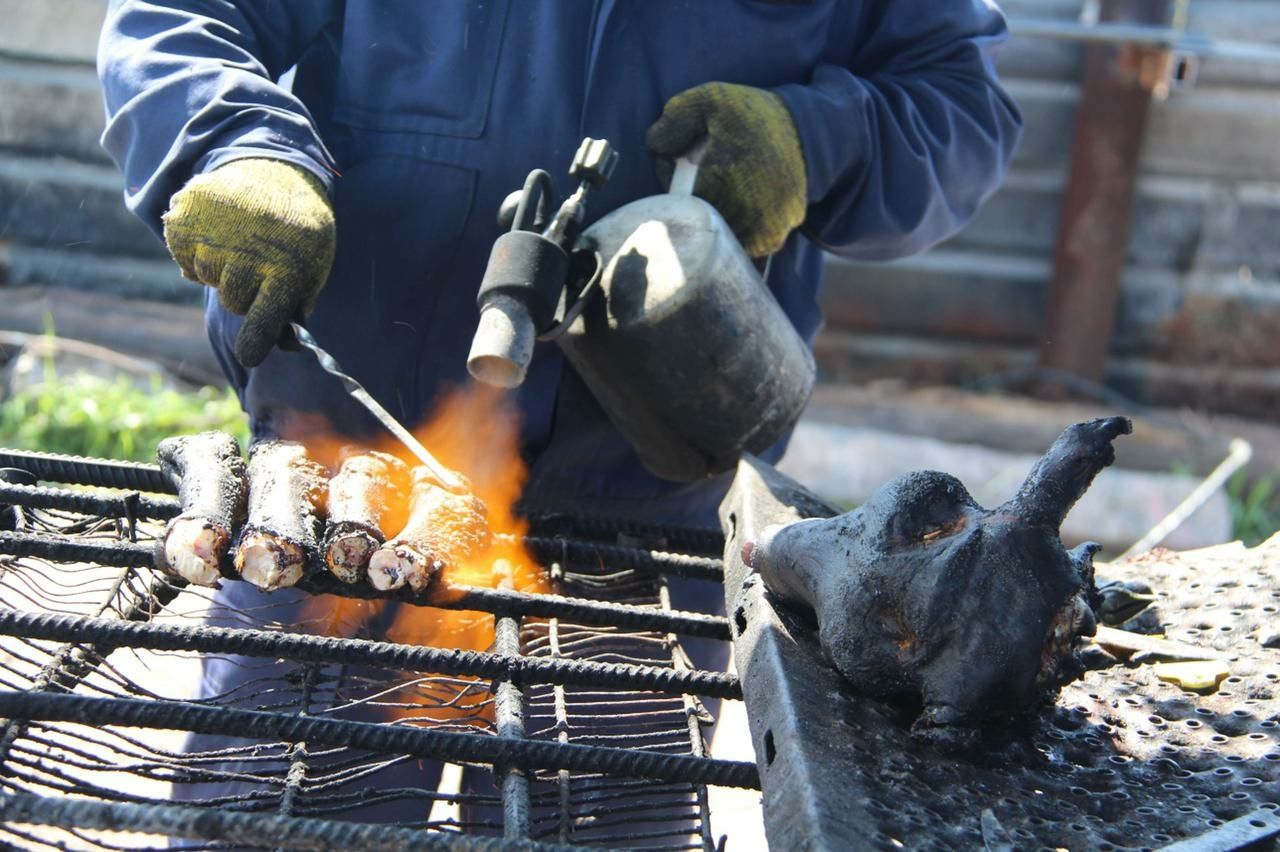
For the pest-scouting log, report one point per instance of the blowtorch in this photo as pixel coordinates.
(657, 307)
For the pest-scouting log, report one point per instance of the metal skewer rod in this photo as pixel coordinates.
(327, 363)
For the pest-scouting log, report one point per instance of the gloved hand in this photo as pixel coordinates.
(753, 168)
(261, 231)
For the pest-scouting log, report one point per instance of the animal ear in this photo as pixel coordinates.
(928, 505)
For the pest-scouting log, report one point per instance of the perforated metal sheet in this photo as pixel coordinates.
(1124, 760)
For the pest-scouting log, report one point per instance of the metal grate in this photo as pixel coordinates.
(581, 726)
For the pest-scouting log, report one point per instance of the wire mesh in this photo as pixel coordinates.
(582, 726)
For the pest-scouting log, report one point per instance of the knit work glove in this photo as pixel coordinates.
(753, 168)
(260, 231)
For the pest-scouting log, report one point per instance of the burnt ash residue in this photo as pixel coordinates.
(923, 596)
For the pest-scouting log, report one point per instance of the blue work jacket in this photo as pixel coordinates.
(420, 115)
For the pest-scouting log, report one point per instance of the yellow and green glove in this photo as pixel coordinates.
(753, 168)
(261, 231)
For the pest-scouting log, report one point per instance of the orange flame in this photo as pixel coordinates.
(475, 431)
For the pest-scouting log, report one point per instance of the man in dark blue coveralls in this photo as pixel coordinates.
(871, 128)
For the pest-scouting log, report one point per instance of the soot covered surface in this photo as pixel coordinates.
(1122, 760)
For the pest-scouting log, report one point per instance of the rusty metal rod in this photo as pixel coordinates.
(1093, 236)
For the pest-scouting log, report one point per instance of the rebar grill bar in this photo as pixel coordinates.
(253, 829)
(134, 506)
(418, 742)
(604, 806)
(297, 753)
(509, 706)
(73, 661)
(503, 602)
(702, 564)
(328, 649)
(131, 504)
(562, 732)
(556, 549)
(589, 736)
(78, 470)
(695, 541)
(694, 713)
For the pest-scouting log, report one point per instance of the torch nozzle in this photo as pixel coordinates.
(503, 344)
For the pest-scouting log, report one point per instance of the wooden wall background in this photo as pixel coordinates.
(1199, 320)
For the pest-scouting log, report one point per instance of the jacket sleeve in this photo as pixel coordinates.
(190, 84)
(905, 141)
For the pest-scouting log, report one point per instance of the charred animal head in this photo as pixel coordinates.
(976, 613)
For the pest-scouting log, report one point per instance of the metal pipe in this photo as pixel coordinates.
(1093, 233)
(502, 347)
(1169, 38)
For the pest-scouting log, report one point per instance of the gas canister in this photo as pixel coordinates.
(676, 334)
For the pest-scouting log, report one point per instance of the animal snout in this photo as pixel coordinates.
(761, 552)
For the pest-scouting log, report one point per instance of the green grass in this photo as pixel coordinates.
(88, 415)
(1255, 507)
